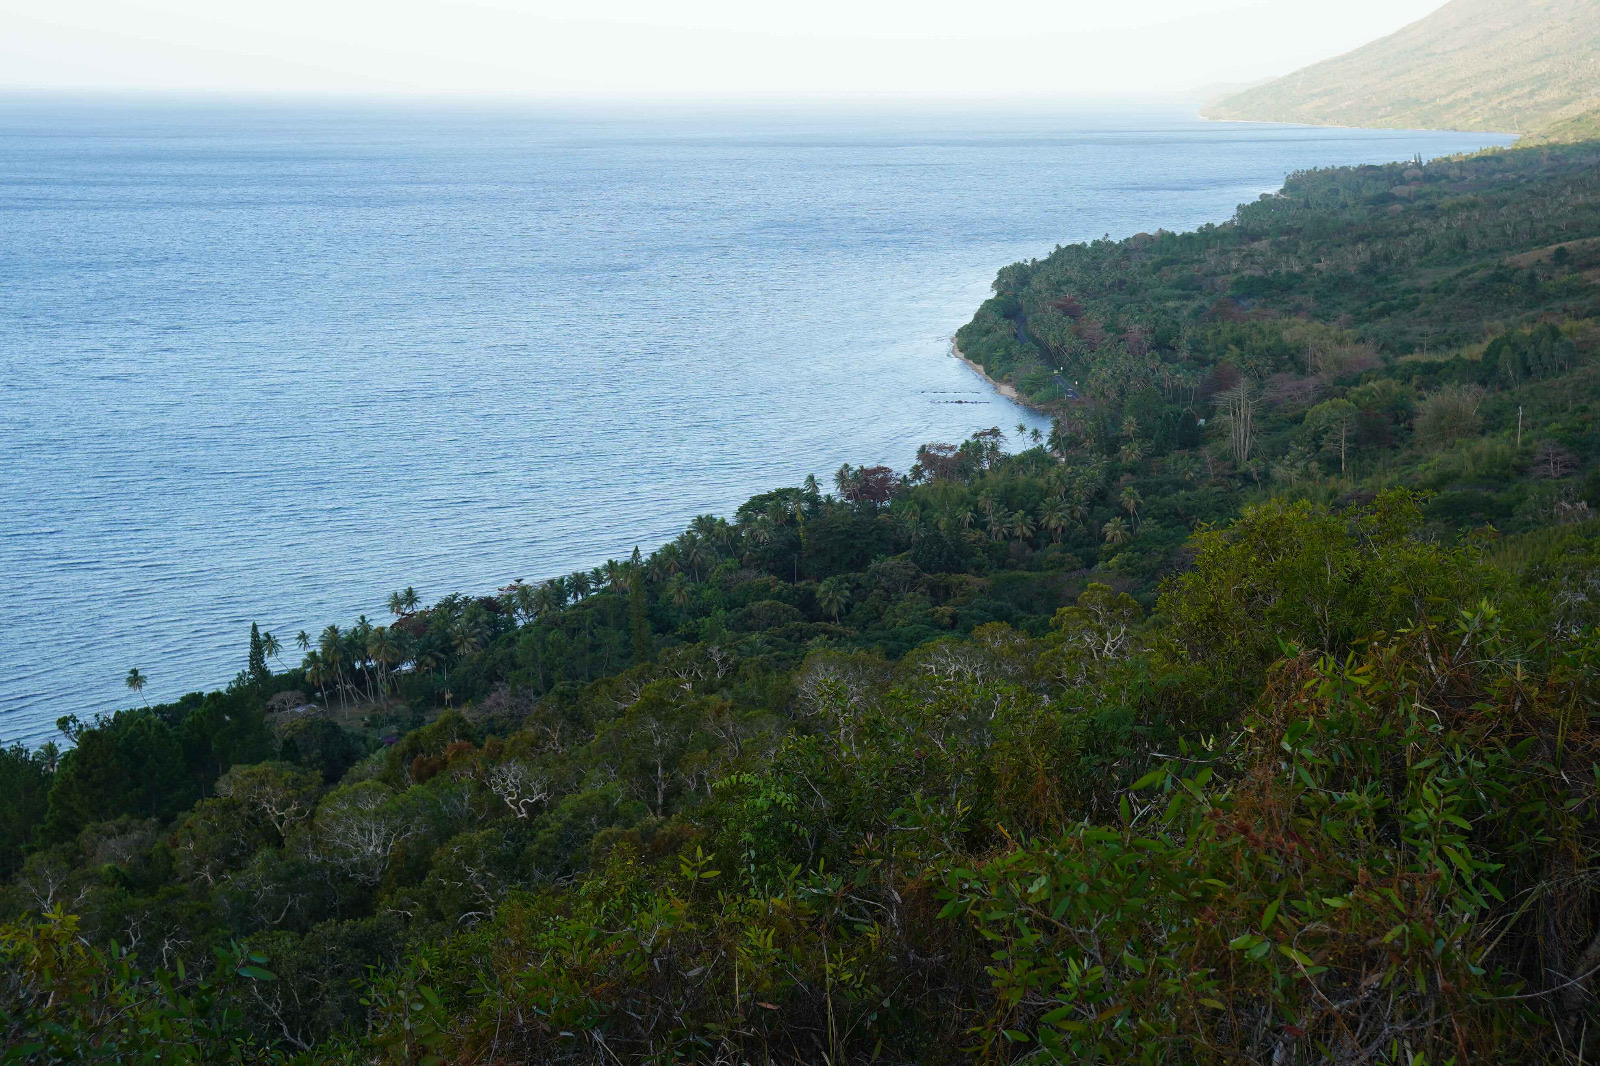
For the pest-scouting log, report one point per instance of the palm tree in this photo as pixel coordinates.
(397, 604)
(302, 640)
(965, 517)
(410, 600)
(832, 596)
(467, 638)
(1131, 502)
(679, 592)
(911, 522)
(845, 480)
(331, 646)
(428, 660)
(666, 561)
(135, 681)
(316, 673)
(271, 648)
(1022, 527)
(1053, 518)
(999, 523)
(1116, 532)
(525, 601)
(360, 636)
(615, 575)
(1060, 437)
(385, 651)
(695, 553)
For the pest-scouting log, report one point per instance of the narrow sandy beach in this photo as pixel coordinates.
(1008, 391)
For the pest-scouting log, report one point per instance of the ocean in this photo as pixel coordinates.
(268, 362)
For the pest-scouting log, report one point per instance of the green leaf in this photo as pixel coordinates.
(1271, 913)
(1057, 1016)
(256, 973)
(1298, 956)
(1149, 779)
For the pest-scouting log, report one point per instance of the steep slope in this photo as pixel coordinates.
(1516, 66)
(914, 773)
(1581, 127)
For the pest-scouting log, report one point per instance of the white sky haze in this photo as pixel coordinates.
(679, 48)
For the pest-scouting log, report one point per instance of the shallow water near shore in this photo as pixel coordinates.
(269, 363)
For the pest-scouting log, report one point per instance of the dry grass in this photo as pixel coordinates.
(1512, 66)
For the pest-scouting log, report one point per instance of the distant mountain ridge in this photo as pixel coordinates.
(1511, 66)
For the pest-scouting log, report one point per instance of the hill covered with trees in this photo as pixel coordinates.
(1249, 717)
(1508, 66)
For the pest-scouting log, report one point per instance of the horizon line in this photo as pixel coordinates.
(347, 95)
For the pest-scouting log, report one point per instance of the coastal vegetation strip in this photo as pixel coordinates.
(1008, 391)
(1247, 716)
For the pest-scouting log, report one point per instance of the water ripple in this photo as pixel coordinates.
(269, 364)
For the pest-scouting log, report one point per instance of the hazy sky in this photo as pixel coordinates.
(680, 47)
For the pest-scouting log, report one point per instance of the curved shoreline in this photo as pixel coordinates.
(1008, 391)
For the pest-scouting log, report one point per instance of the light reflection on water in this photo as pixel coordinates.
(267, 364)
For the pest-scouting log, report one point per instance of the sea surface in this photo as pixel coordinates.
(268, 362)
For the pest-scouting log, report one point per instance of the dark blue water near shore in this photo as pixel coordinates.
(269, 363)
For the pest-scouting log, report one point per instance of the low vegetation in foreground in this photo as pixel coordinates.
(1249, 717)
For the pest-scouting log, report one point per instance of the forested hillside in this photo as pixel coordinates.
(1248, 717)
(1509, 66)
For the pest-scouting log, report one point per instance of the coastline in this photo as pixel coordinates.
(1008, 391)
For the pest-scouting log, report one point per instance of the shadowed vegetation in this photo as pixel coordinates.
(1248, 718)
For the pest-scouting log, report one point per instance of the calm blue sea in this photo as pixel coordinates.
(269, 363)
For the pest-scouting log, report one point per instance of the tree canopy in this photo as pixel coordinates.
(1249, 717)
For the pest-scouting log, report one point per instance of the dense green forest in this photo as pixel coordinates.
(1248, 717)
